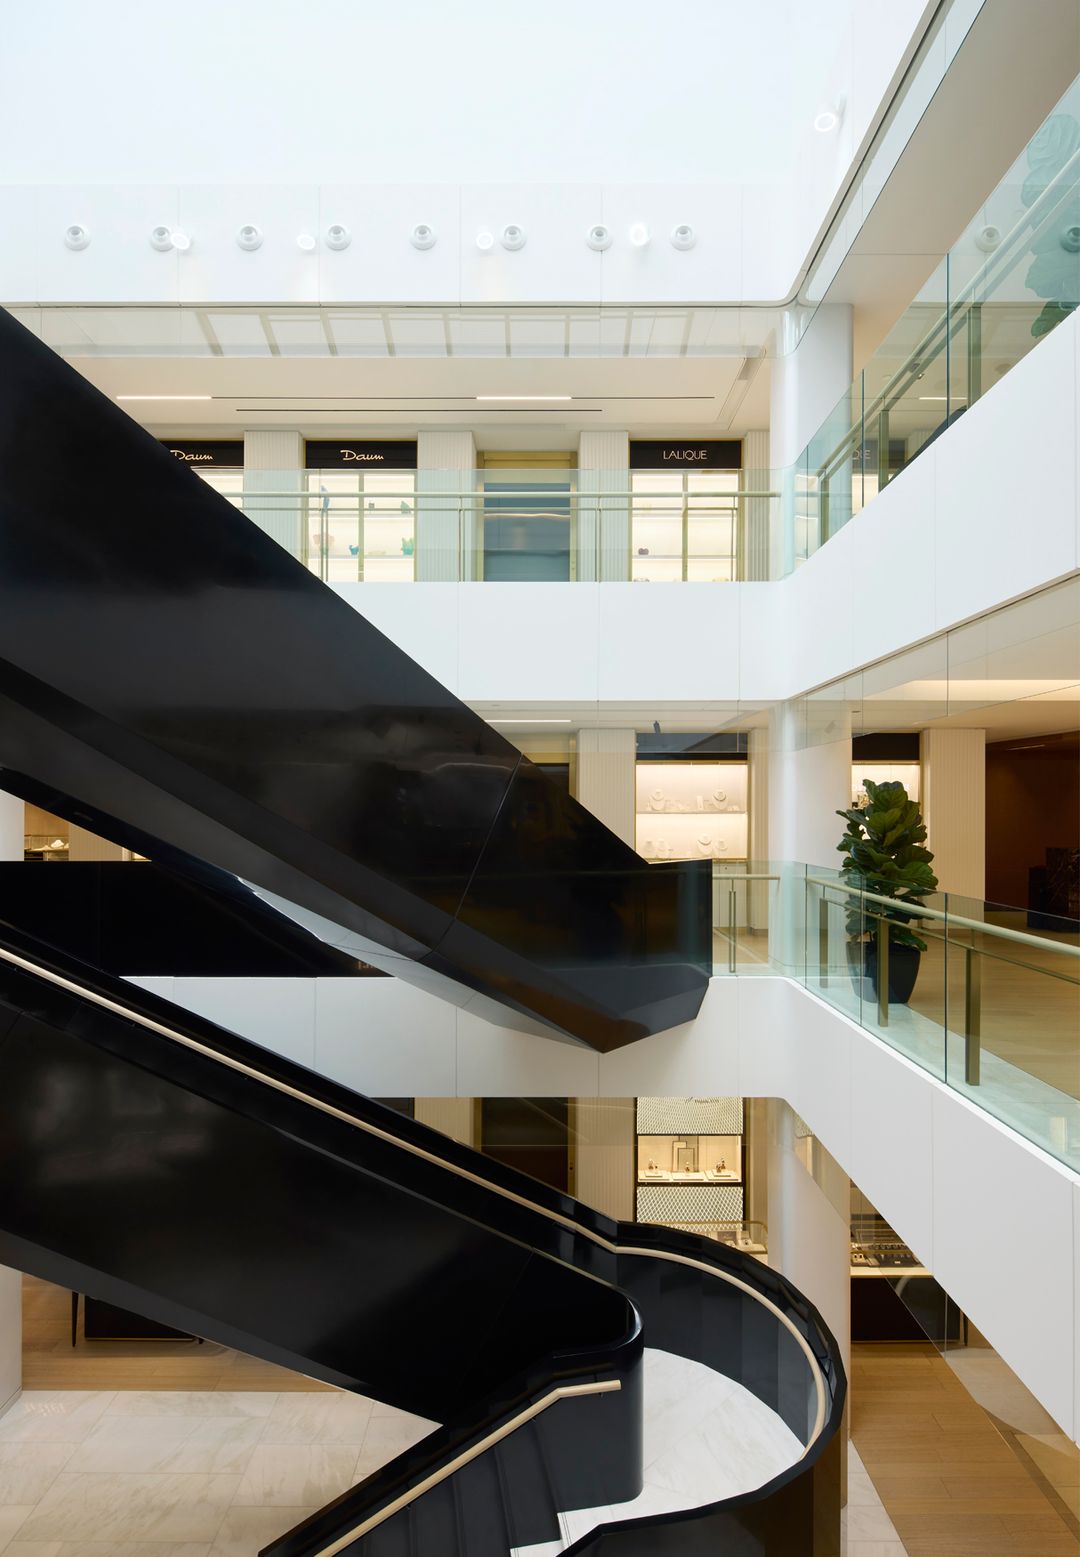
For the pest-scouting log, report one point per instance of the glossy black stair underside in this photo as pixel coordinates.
(166, 663)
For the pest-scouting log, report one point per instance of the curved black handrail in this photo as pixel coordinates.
(760, 1330)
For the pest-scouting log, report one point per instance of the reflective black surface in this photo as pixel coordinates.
(132, 918)
(164, 661)
(165, 1180)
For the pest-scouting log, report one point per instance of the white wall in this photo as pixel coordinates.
(995, 1219)
(393, 115)
(988, 513)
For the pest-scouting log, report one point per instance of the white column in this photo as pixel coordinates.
(449, 542)
(809, 780)
(755, 511)
(809, 1222)
(274, 463)
(954, 806)
(12, 827)
(806, 386)
(603, 527)
(12, 832)
(602, 1142)
(606, 769)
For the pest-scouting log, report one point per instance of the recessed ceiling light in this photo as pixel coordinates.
(525, 397)
(639, 235)
(485, 240)
(164, 397)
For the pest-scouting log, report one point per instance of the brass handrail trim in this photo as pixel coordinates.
(959, 920)
(418, 1151)
(410, 1495)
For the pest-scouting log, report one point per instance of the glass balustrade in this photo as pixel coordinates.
(987, 999)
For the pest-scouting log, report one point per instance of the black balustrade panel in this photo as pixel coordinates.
(159, 1163)
(143, 918)
(166, 663)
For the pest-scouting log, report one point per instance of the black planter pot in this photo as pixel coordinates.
(903, 970)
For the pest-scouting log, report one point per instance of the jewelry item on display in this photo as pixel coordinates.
(656, 800)
(643, 551)
(701, 802)
(721, 847)
(719, 795)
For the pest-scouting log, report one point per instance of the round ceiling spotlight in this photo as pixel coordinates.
(485, 240)
(161, 239)
(249, 237)
(513, 237)
(307, 242)
(338, 237)
(828, 118)
(987, 238)
(423, 236)
(639, 235)
(76, 236)
(599, 237)
(683, 236)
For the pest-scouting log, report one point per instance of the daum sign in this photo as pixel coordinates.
(700, 453)
(217, 453)
(348, 454)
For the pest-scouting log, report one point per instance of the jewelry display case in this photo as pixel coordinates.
(692, 810)
(690, 1160)
(907, 773)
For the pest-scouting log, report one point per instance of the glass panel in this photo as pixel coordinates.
(657, 527)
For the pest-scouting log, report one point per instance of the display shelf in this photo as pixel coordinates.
(907, 773)
(692, 810)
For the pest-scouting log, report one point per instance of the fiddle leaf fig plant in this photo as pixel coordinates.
(883, 853)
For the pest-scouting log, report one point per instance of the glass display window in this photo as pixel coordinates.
(692, 810)
(689, 1159)
(229, 483)
(906, 773)
(684, 526)
(364, 523)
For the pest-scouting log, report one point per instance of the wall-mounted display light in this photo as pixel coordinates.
(513, 237)
(423, 236)
(485, 240)
(599, 237)
(338, 237)
(76, 236)
(249, 237)
(161, 239)
(828, 118)
(683, 236)
(639, 235)
(307, 242)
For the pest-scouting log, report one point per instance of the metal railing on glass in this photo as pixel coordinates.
(519, 535)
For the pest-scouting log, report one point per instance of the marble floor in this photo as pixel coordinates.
(181, 1473)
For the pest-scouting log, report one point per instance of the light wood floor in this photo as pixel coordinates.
(949, 1479)
(51, 1362)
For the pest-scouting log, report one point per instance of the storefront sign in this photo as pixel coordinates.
(343, 454)
(704, 454)
(217, 453)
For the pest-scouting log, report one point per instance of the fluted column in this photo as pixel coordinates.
(449, 543)
(954, 806)
(274, 464)
(603, 528)
(755, 511)
(606, 769)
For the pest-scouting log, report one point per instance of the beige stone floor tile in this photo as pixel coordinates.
(28, 1470)
(116, 1508)
(327, 1418)
(53, 1416)
(12, 1517)
(244, 1531)
(246, 1403)
(179, 1443)
(296, 1475)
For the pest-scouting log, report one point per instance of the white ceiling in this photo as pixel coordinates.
(697, 395)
